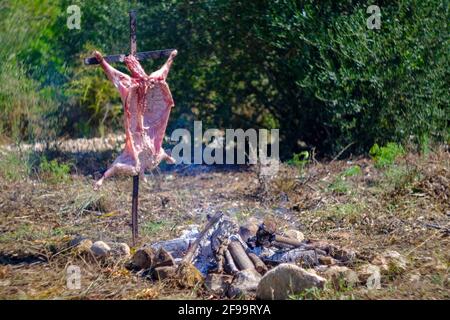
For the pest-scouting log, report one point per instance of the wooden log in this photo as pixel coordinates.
(281, 245)
(289, 241)
(167, 272)
(230, 262)
(191, 251)
(260, 266)
(220, 257)
(163, 258)
(239, 255)
(144, 258)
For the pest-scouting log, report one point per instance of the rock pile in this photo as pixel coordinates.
(99, 250)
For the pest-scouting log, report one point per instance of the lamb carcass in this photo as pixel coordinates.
(147, 103)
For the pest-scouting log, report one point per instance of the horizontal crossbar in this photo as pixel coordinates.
(140, 56)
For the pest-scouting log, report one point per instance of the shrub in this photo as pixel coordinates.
(340, 185)
(54, 171)
(299, 160)
(15, 166)
(385, 156)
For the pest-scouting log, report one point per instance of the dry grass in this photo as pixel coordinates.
(397, 208)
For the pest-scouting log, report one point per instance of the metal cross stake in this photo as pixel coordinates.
(120, 58)
(135, 195)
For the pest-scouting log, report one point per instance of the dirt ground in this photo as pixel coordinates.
(405, 208)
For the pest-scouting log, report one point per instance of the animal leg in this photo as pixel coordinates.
(169, 159)
(162, 73)
(110, 172)
(121, 80)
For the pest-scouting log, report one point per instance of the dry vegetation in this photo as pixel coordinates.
(403, 207)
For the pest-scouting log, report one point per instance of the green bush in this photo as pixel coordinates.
(399, 178)
(340, 185)
(312, 68)
(385, 156)
(299, 160)
(53, 171)
(352, 171)
(26, 104)
(15, 166)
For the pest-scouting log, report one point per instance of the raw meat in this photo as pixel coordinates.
(147, 103)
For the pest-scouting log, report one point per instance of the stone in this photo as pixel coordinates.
(76, 241)
(369, 275)
(100, 249)
(218, 283)
(415, 281)
(414, 277)
(286, 279)
(120, 249)
(343, 254)
(295, 234)
(391, 263)
(341, 276)
(244, 283)
(83, 247)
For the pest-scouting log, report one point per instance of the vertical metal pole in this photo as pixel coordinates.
(134, 203)
(133, 32)
(134, 210)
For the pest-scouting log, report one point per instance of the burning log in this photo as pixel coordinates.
(260, 266)
(220, 258)
(240, 256)
(147, 257)
(265, 234)
(231, 266)
(163, 258)
(218, 255)
(167, 272)
(144, 258)
(190, 253)
(307, 258)
(288, 241)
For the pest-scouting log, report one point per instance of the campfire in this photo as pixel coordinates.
(233, 260)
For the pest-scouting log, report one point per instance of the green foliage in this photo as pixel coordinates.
(313, 293)
(311, 68)
(299, 160)
(352, 171)
(399, 178)
(24, 105)
(14, 166)
(327, 293)
(151, 228)
(54, 171)
(95, 102)
(340, 185)
(385, 156)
